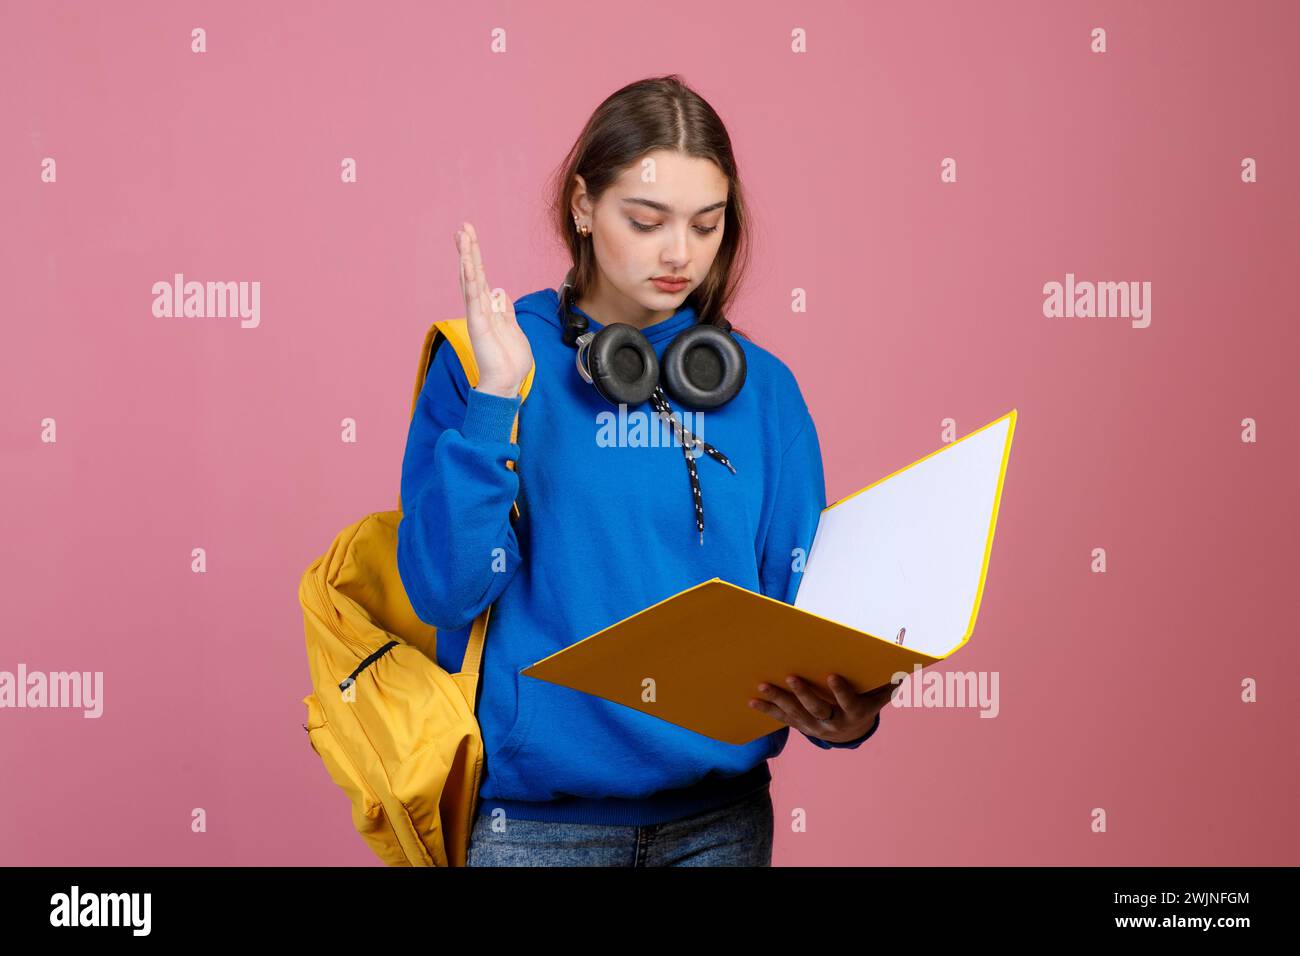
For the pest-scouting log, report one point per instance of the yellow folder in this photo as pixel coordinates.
(903, 559)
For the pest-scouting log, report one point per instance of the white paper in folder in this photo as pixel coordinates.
(910, 552)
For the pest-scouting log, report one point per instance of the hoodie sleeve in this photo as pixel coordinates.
(800, 498)
(456, 498)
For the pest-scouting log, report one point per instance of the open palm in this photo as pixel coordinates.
(501, 348)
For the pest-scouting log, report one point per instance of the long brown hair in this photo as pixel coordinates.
(655, 113)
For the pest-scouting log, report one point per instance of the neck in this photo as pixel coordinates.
(606, 307)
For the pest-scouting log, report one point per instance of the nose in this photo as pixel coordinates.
(675, 252)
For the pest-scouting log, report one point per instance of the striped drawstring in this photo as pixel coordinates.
(660, 404)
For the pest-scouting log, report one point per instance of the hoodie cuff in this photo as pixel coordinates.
(848, 744)
(489, 417)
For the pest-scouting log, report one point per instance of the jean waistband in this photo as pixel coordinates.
(661, 807)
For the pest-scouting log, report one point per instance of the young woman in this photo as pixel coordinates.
(650, 207)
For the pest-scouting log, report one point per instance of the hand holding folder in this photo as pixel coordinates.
(801, 704)
(893, 579)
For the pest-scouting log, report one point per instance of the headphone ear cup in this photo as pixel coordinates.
(704, 367)
(623, 364)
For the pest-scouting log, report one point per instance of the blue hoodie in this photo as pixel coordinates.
(604, 531)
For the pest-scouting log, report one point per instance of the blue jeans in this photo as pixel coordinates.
(738, 834)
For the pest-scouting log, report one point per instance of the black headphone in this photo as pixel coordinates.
(703, 367)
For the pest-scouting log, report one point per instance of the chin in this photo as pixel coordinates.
(655, 301)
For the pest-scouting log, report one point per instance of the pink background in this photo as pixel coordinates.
(1118, 690)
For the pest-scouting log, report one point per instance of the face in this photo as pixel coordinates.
(663, 217)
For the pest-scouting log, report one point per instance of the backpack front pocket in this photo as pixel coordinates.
(368, 815)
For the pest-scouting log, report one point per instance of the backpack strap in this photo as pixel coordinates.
(456, 331)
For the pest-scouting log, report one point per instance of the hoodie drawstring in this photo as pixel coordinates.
(660, 403)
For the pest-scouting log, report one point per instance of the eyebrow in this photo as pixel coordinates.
(663, 207)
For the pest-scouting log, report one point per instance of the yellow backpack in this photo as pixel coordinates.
(395, 730)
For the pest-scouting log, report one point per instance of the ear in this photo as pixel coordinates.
(580, 203)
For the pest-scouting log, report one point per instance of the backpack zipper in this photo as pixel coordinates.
(352, 678)
(330, 626)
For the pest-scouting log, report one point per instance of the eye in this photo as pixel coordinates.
(651, 227)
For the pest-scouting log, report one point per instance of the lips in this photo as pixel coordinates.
(669, 284)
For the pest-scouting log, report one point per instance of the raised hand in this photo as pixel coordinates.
(501, 348)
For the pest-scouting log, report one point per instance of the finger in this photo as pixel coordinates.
(795, 712)
(469, 284)
(464, 264)
(881, 694)
(469, 270)
(878, 697)
(813, 702)
(480, 273)
(803, 723)
(466, 259)
(493, 303)
(771, 710)
(845, 695)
